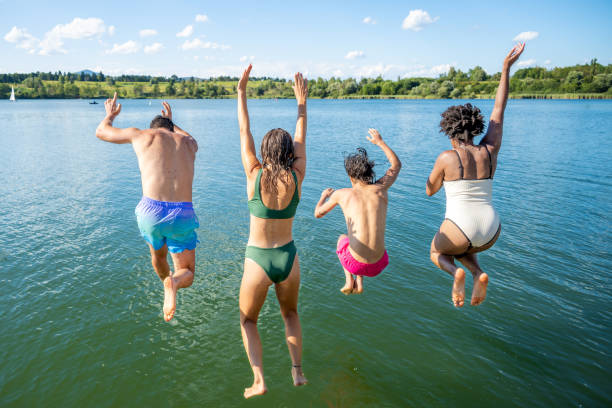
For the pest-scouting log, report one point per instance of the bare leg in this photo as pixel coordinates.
(184, 267)
(347, 289)
(253, 291)
(159, 260)
(287, 293)
(349, 283)
(447, 243)
(481, 279)
(358, 284)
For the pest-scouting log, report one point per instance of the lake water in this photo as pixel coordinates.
(81, 306)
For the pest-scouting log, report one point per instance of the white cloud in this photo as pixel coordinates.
(22, 38)
(196, 43)
(424, 71)
(527, 36)
(201, 18)
(354, 54)
(147, 32)
(53, 41)
(369, 20)
(129, 47)
(417, 19)
(547, 62)
(153, 48)
(77, 29)
(526, 63)
(111, 30)
(185, 32)
(245, 58)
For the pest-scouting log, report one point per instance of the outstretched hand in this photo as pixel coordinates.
(112, 108)
(167, 111)
(374, 137)
(514, 54)
(300, 89)
(242, 84)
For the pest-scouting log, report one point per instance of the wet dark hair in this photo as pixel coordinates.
(161, 122)
(359, 167)
(462, 122)
(277, 158)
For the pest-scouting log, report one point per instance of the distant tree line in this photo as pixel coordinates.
(591, 80)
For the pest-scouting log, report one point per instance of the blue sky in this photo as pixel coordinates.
(319, 38)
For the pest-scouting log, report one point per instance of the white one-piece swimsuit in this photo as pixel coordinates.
(469, 207)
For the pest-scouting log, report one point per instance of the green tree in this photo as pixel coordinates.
(477, 74)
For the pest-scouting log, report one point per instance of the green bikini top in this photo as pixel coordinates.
(259, 210)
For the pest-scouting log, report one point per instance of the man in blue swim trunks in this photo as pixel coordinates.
(166, 219)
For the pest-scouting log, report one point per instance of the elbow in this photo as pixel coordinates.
(99, 134)
(317, 214)
(429, 191)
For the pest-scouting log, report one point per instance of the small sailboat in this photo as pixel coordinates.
(93, 102)
(12, 98)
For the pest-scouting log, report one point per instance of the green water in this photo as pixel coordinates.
(81, 306)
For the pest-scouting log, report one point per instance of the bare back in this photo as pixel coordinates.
(475, 161)
(166, 161)
(365, 211)
(270, 232)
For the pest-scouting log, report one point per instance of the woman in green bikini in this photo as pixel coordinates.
(273, 190)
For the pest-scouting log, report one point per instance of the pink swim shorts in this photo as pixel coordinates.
(359, 268)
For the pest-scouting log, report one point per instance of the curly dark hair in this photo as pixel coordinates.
(277, 158)
(161, 122)
(462, 122)
(359, 167)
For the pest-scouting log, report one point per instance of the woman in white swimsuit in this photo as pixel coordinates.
(471, 223)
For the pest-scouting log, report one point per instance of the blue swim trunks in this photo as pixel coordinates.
(171, 223)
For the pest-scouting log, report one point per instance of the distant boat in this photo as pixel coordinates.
(93, 103)
(149, 103)
(12, 98)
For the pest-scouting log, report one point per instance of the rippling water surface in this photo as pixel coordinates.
(81, 306)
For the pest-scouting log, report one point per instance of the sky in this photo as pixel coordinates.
(319, 38)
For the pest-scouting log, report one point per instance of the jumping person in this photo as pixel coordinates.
(165, 215)
(471, 223)
(362, 252)
(273, 190)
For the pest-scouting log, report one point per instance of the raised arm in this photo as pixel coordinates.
(323, 207)
(300, 88)
(391, 174)
(167, 113)
(247, 145)
(493, 138)
(105, 130)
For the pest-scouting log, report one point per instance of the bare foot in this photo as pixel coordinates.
(458, 293)
(479, 293)
(347, 289)
(298, 376)
(255, 389)
(169, 298)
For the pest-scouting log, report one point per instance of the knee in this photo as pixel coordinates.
(246, 320)
(433, 255)
(289, 314)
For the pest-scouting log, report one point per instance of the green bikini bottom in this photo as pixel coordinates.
(276, 262)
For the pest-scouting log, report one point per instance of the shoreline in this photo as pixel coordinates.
(357, 97)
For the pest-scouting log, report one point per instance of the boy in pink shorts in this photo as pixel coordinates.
(362, 252)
